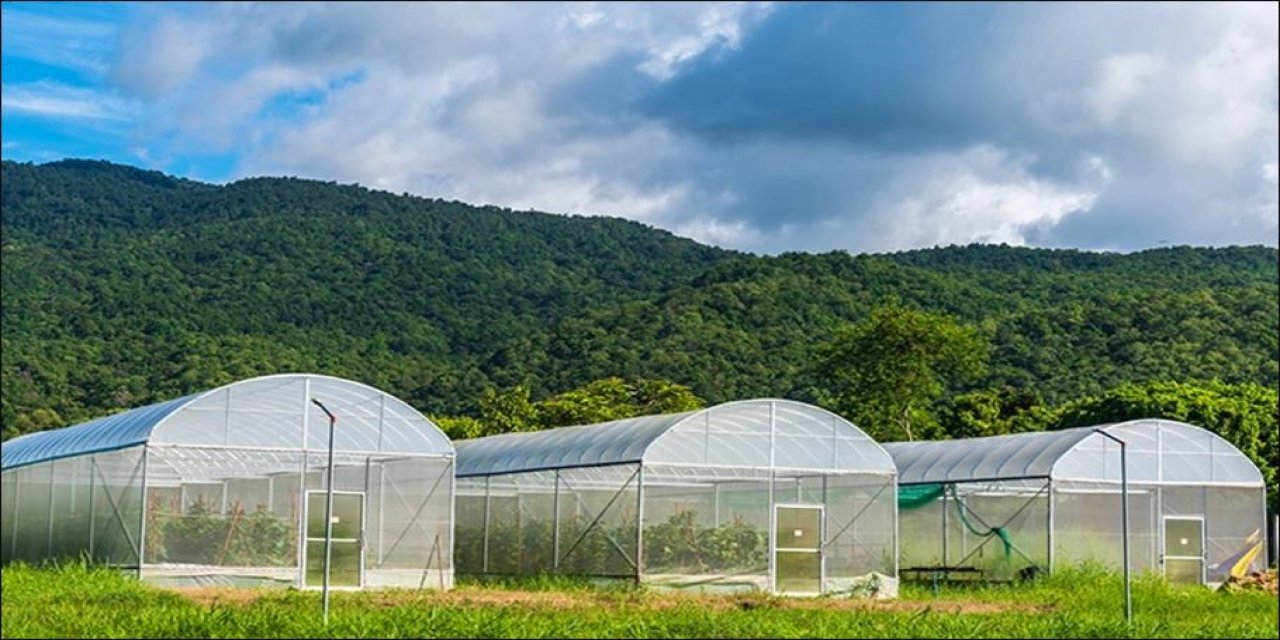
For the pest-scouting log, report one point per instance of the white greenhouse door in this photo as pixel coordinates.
(346, 564)
(1184, 550)
(797, 540)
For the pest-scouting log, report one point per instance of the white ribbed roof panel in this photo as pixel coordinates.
(764, 433)
(277, 412)
(1019, 455)
(269, 412)
(1159, 451)
(1162, 451)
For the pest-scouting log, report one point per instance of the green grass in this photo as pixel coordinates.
(74, 600)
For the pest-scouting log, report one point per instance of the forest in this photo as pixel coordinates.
(122, 287)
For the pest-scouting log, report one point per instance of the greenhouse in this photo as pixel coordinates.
(228, 487)
(768, 495)
(1013, 505)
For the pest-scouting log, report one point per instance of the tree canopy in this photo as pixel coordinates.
(885, 371)
(120, 287)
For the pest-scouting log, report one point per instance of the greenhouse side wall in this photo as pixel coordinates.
(64, 508)
(1234, 522)
(505, 522)
(410, 523)
(237, 517)
(1088, 524)
(706, 527)
(1088, 527)
(860, 538)
(579, 521)
(222, 517)
(998, 528)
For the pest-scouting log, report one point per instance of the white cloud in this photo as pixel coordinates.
(1112, 124)
(1120, 79)
(722, 233)
(717, 24)
(56, 100)
(79, 44)
(981, 195)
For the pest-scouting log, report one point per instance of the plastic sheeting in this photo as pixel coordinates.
(1161, 451)
(269, 412)
(765, 433)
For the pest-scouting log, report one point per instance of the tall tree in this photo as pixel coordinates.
(615, 399)
(886, 371)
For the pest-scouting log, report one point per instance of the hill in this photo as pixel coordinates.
(123, 287)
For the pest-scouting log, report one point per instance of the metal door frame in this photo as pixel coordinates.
(306, 512)
(820, 550)
(1164, 546)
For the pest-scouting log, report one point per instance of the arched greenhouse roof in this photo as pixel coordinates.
(273, 412)
(1158, 451)
(766, 433)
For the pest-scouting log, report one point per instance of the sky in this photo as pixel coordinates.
(762, 127)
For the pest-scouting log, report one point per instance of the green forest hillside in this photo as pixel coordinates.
(123, 287)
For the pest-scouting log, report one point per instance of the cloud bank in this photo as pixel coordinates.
(767, 128)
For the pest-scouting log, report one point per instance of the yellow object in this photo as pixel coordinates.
(1238, 564)
(1242, 565)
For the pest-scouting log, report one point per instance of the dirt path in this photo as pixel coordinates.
(474, 597)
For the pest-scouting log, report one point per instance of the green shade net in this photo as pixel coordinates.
(997, 531)
(918, 495)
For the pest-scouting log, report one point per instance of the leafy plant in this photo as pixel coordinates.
(204, 536)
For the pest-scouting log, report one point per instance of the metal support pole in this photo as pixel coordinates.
(93, 516)
(328, 511)
(484, 557)
(1048, 529)
(555, 524)
(49, 522)
(1124, 515)
(944, 525)
(142, 519)
(640, 524)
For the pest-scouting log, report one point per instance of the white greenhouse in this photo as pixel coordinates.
(227, 487)
(1011, 505)
(768, 495)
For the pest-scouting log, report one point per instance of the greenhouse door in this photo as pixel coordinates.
(346, 563)
(797, 551)
(1184, 550)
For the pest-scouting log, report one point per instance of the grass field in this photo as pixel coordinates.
(78, 601)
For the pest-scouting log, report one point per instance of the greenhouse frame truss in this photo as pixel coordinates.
(765, 494)
(226, 487)
(1014, 505)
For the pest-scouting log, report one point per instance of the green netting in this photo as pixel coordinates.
(918, 495)
(997, 531)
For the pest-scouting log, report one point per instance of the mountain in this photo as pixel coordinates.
(123, 287)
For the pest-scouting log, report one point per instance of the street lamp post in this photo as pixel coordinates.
(1124, 514)
(328, 511)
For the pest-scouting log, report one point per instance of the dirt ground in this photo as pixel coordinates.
(477, 597)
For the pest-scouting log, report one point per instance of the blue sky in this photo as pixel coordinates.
(756, 126)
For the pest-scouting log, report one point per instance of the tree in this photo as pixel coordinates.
(460, 427)
(993, 412)
(508, 411)
(614, 399)
(886, 371)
